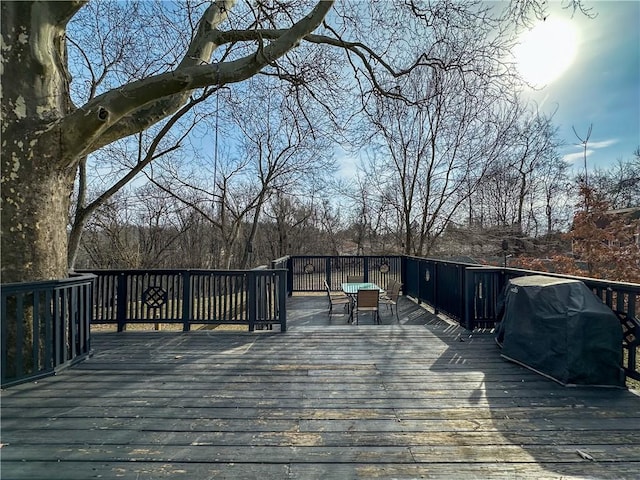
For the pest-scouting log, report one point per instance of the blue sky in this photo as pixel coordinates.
(601, 87)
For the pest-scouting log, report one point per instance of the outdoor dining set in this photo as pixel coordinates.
(358, 296)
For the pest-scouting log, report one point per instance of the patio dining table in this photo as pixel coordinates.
(351, 289)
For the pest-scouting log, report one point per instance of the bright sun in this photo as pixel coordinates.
(545, 52)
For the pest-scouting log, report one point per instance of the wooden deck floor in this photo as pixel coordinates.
(422, 399)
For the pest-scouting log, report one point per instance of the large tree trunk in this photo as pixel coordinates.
(35, 211)
(35, 183)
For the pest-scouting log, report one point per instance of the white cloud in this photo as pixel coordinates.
(591, 148)
(597, 145)
(603, 143)
(574, 157)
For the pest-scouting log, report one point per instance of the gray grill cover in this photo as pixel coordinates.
(561, 330)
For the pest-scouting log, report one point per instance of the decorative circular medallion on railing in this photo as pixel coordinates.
(309, 268)
(427, 275)
(384, 268)
(154, 297)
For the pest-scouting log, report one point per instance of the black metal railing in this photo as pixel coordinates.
(437, 283)
(255, 298)
(45, 327)
(308, 273)
(470, 294)
(467, 293)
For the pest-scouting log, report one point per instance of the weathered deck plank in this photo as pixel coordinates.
(423, 399)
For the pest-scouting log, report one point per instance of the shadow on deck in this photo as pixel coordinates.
(312, 310)
(419, 399)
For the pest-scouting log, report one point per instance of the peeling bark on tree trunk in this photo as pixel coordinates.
(34, 219)
(35, 95)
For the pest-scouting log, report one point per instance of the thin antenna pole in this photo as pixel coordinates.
(215, 153)
(584, 143)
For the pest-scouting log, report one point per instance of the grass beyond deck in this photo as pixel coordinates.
(422, 399)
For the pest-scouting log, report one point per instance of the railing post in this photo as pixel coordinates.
(121, 302)
(403, 273)
(19, 334)
(88, 294)
(468, 297)
(57, 328)
(4, 335)
(48, 329)
(327, 271)
(186, 301)
(290, 276)
(365, 267)
(74, 320)
(436, 293)
(421, 280)
(36, 327)
(282, 301)
(251, 299)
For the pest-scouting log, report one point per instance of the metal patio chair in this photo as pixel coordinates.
(388, 289)
(390, 299)
(336, 298)
(367, 300)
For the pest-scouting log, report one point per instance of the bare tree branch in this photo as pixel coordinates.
(109, 116)
(83, 211)
(63, 11)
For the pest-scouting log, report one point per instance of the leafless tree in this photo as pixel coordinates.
(290, 225)
(48, 130)
(534, 141)
(524, 179)
(131, 164)
(620, 183)
(437, 149)
(111, 240)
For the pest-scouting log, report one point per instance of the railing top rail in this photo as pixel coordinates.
(183, 270)
(74, 279)
(346, 256)
(449, 262)
(592, 281)
(488, 268)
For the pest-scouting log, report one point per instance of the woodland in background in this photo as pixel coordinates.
(446, 160)
(596, 237)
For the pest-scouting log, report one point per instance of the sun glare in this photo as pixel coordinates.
(545, 52)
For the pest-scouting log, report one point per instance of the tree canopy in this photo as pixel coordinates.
(141, 66)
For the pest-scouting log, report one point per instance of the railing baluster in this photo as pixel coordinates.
(35, 344)
(19, 341)
(121, 301)
(4, 336)
(48, 330)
